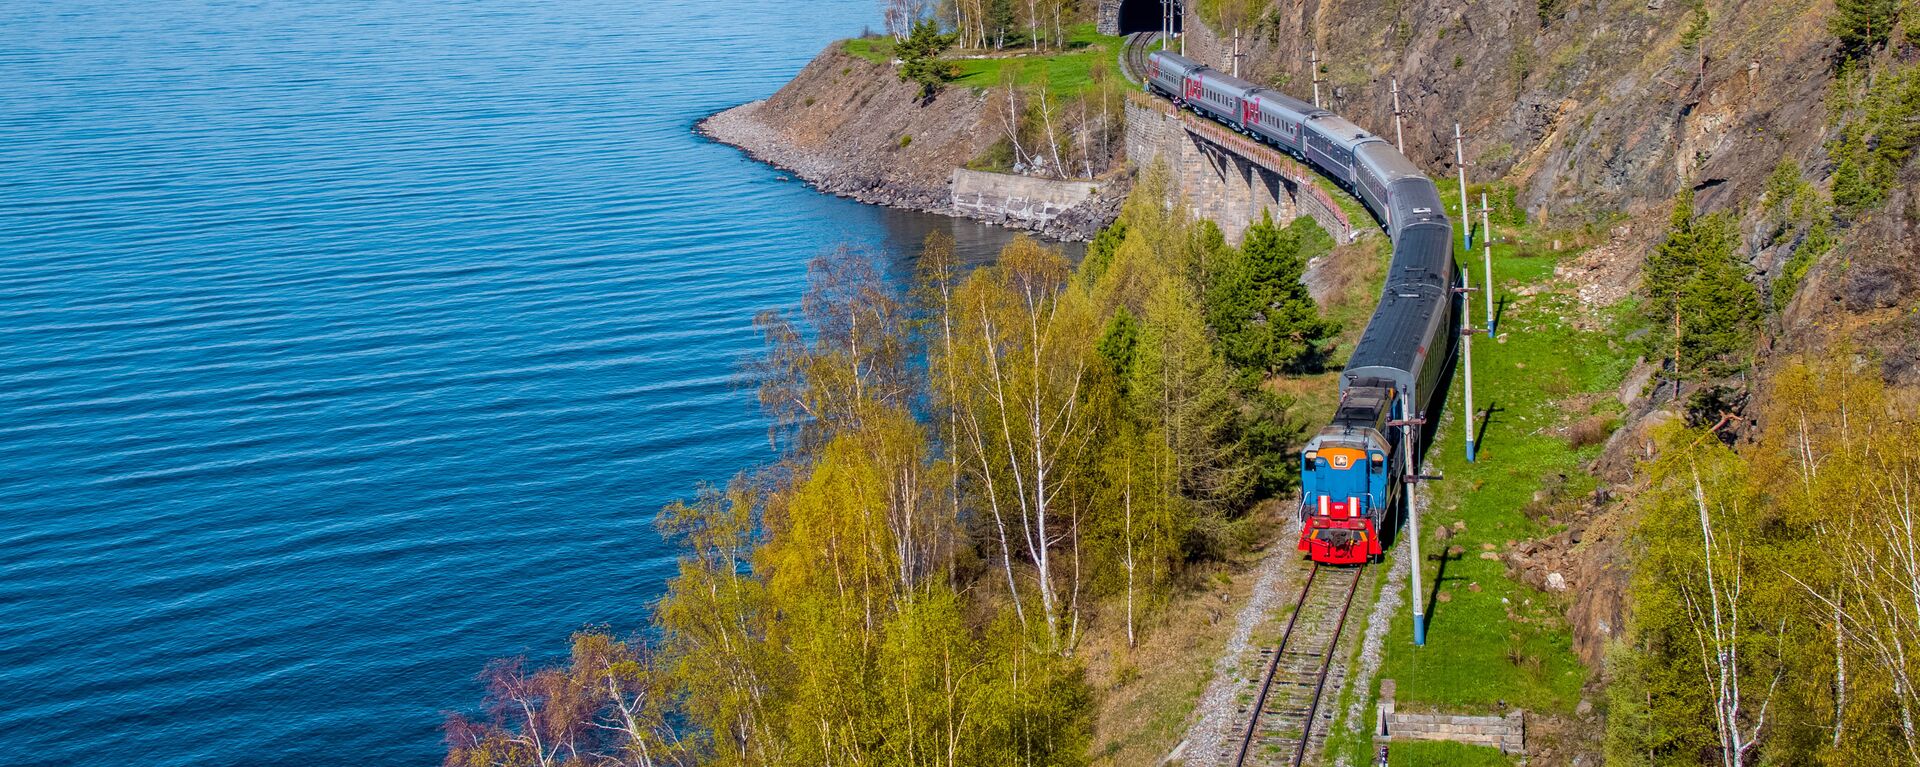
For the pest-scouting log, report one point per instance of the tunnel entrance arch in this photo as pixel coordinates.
(1143, 16)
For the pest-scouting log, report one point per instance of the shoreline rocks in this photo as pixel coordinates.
(743, 127)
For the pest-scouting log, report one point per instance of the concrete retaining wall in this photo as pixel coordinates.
(1005, 198)
(1507, 733)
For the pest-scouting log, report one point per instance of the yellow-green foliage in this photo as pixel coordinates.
(1775, 583)
(978, 478)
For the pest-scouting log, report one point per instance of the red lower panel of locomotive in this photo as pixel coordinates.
(1348, 541)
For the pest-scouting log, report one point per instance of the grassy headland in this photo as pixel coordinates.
(1068, 71)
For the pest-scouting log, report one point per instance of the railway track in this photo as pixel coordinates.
(1133, 57)
(1280, 724)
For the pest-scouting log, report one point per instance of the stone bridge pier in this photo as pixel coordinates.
(1225, 177)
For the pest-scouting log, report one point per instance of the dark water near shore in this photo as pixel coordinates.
(344, 346)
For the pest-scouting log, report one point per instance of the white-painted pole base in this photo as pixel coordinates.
(1466, 357)
(1410, 444)
(1486, 231)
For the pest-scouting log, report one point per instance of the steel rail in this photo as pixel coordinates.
(1258, 711)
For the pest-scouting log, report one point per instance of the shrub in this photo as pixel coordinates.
(905, 140)
(1592, 430)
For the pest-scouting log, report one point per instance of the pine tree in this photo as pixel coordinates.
(920, 60)
(1863, 25)
(1260, 308)
(1697, 290)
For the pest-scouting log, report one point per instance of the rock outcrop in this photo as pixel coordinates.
(850, 127)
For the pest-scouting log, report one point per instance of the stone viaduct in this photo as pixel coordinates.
(1228, 178)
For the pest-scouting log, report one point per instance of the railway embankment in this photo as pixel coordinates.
(848, 126)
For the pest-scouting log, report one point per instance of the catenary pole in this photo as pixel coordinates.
(1313, 61)
(1399, 141)
(1460, 163)
(1408, 446)
(1466, 359)
(1486, 233)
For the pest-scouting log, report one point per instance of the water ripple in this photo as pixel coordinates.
(345, 346)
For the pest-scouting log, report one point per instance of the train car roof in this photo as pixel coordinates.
(1288, 102)
(1396, 335)
(1389, 163)
(1340, 129)
(1238, 86)
(1422, 257)
(1177, 59)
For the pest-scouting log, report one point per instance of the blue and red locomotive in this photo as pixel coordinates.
(1354, 472)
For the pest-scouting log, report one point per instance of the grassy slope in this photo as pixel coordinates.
(1505, 643)
(1068, 71)
(1445, 754)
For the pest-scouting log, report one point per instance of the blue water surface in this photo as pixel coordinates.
(347, 345)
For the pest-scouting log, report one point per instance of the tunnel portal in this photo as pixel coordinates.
(1142, 16)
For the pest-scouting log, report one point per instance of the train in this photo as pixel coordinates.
(1354, 473)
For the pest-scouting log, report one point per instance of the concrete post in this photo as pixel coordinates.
(1313, 60)
(1399, 141)
(1410, 443)
(1460, 163)
(1486, 232)
(1236, 52)
(1466, 339)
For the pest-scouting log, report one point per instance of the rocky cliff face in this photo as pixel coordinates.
(1601, 111)
(1867, 295)
(1593, 106)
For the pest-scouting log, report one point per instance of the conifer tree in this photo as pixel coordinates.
(1698, 292)
(1863, 25)
(1183, 391)
(920, 60)
(1260, 308)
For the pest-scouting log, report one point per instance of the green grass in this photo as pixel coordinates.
(1441, 753)
(1506, 645)
(1068, 72)
(1356, 738)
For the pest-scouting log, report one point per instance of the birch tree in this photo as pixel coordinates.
(1021, 347)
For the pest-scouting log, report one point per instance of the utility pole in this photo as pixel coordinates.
(1466, 339)
(1313, 60)
(1410, 447)
(1460, 163)
(1183, 31)
(1409, 444)
(1486, 234)
(1166, 22)
(1399, 141)
(1236, 51)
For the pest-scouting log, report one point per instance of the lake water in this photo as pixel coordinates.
(344, 346)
